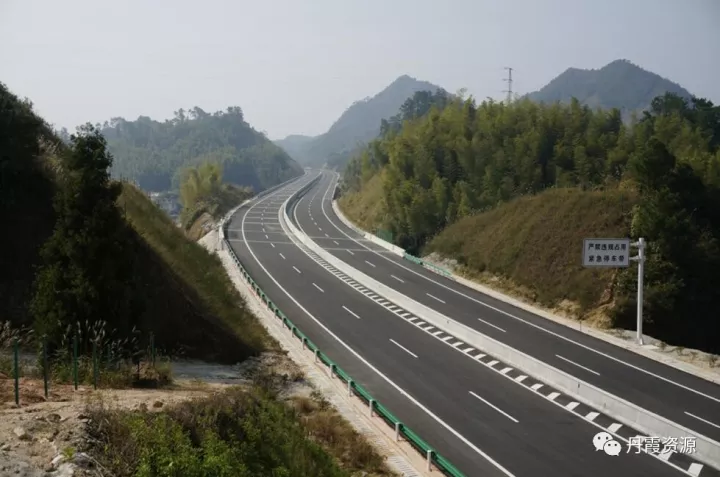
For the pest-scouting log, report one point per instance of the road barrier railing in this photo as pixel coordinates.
(375, 408)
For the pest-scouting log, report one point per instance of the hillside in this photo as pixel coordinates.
(152, 153)
(486, 184)
(359, 124)
(294, 144)
(619, 84)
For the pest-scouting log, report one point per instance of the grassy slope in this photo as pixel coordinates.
(530, 246)
(535, 242)
(190, 300)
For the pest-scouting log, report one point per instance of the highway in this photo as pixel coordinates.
(688, 400)
(481, 421)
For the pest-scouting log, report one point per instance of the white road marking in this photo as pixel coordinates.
(296, 269)
(327, 235)
(336, 242)
(283, 256)
(273, 245)
(695, 468)
(350, 252)
(435, 298)
(417, 403)
(369, 263)
(541, 328)
(536, 386)
(521, 378)
(578, 365)
(572, 405)
(495, 407)
(398, 279)
(267, 237)
(614, 427)
(701, 419)
(321, 290)
(553, 396)
(351, 312)
(490, 324)
(320, 229)
(590, 416)
(403, 348)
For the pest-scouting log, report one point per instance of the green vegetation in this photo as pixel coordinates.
(358, 125)
(235, 433)
(459, 162)
(202, 192)
(110, 268)
(154, 153)
(619, 84)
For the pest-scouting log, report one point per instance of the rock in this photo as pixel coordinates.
(59, 459)
(158, 404)
(5, 447)
(53, 417)
(22, 433)
(81, 459)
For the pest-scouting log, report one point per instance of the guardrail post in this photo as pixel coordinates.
(429, 459)
(350, 387)
(397, 432)
(370, 402)
(303, 344)
(316, 355)
(330, 370)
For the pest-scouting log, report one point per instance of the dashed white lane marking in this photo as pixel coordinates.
(695, 468)
(296, 269)
(351, 312)
(578, 365)
(267, 237)
(326, 234)
(403, 348)
(272, 244)
(320, 229)
(350, 252)
(321, 290)
(398, 279)
(283, 256)
(490, 324)
(613, 428)
(701, 419)
(435, 298)
(263, 229)
(370, 263)
(495, 407)
(336, 242)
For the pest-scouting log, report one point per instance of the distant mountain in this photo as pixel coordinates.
(620, 84)
(358, 125)
(154, 153)
(294, 143)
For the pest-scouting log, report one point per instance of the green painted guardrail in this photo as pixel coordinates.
(428, 265)
(356, 389)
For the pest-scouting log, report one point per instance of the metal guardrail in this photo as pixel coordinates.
(375, 407)
(429, 266)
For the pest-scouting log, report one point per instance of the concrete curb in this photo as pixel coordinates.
(652, 424)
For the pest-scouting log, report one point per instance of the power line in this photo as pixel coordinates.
(509, 80)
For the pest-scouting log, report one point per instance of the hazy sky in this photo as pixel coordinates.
(295, 65)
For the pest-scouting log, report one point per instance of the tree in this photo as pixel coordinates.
(87, 269)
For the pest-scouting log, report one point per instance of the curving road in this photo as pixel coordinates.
(688, 400)
(472, 415)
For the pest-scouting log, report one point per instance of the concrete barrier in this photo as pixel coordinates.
(707, 450)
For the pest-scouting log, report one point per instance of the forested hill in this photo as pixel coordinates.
(433, 182)
(154, 153)
(619, 84)
(358, 125)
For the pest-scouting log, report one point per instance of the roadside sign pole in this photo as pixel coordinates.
(640, 259)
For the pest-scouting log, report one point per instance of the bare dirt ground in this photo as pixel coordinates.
(42, 438)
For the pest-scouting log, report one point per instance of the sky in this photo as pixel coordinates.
(294, 66)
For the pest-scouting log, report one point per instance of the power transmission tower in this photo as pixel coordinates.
(509, 80)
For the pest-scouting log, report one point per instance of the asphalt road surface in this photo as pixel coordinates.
(473, 416)
(688, 400)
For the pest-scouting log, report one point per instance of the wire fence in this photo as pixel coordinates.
(81, 361)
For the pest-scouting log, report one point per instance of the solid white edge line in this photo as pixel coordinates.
(403, 348)
(490, 324)
(510, 315)
(578, 365)
(495, 407)
(374, 369)
(701, 419)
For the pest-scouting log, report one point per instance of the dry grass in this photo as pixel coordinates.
(365, 208)
(535, 244)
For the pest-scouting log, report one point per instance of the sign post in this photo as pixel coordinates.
(615, 253)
